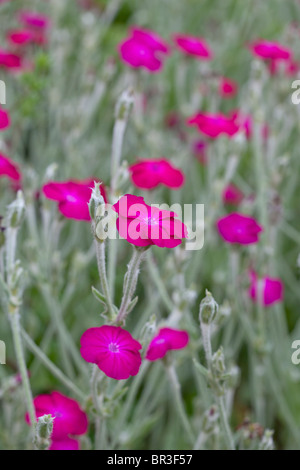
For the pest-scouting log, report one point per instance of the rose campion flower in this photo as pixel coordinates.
(143, 49)
(72, 197)
(214, 125)
(193, 46)
(148, 174)
(34, 20)
(239, 228)
(232, 195)
(4, 119)
(9, 168)
(199, 150)
(113, 349)
(144, 225)
(166, 340)
(270, 50)
(20, 37)
(10, 61)
(64, 444)
(271, 290)
(69, 417)
(227, 88)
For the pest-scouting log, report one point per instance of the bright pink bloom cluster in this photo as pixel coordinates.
(72, 196)
(144, 225)
(4, 119)
(193, 46)
(147, 174)
(34, 20)
(113, 349)
(9, 168)
(69, 419)
(214, 125)
(166, 340)
(143, 49)
(239, 228)
(232, 195)
(267, 291)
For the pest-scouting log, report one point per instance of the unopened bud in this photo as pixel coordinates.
(43, 432)
(16, 211)
(208, 309)
(96, 203)
(218, 362)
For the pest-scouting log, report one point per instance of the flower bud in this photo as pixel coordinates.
(208, 309)
(96, 203)
(218, 362)
(43, 432)
(16, 211)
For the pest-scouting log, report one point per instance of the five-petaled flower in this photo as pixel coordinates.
(147, 174)
(143, 49)
(214, 125)
(239, 228)
(72, 196)
(166, 340)
(144, 225)
(193, 46)
(113, 349)
(266, 291)
(70, 419)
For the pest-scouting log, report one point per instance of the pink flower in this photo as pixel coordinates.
(166, 340)
(9, 168)
(143, 49)
(64, 444)
(113, 349)
(34, 20)
(267, 290)
(270, 50)
(8, 60)
(72, 196)
(239, 228)
(199, 150)
(20, 37)
(227, 88)
(232, 195)
(69, 418)
(147, 174)
(144, 225)
(214, 125)
(194, 46)
(4, 119)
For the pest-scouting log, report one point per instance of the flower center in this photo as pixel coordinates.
(113, 347)
(71, 198)
(151, 221)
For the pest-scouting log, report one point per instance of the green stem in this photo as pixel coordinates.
(225, 424)
(52, 367)
(130, 284)
(100, 253)
(176, 390)
(15, 324)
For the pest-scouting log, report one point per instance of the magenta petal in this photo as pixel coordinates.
(64, 444)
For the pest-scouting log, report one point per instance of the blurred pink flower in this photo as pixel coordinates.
(64, 444)
(214, 125)
(144, 48)
(144, 225)
(193, 46)
(34, 20)
(232, 195)
(227, 88)
(239, 228)
(69, 417)
(8, 60)
(166, 340)
(23, 37)
(72, 196)
(267, 290)
(147, 174)
(270, 50)
(113, 349)
(199, 150)
(9, 168)
(4, 119)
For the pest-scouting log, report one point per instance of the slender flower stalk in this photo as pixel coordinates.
(130, 284)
